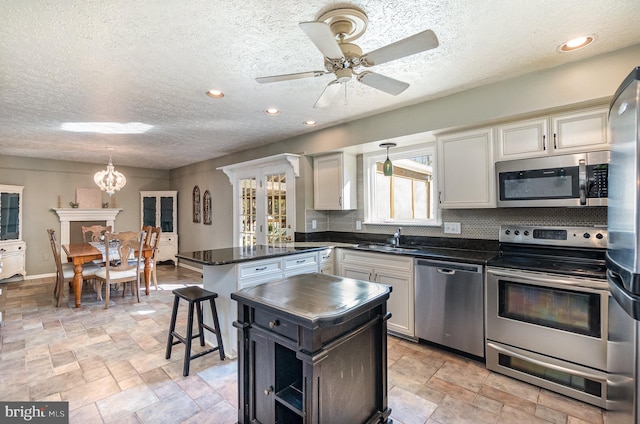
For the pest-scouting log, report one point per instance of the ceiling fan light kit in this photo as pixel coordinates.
(333, 34)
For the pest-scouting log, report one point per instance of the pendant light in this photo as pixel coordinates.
(110, 180)
(387, 168)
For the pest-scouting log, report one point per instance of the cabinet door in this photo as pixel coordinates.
(581, 131)
(261, 378)
(357, 272)
(523, 139)
(400, 302)
(149, 207)
(334, 182)
(166, 213)
(465, 169)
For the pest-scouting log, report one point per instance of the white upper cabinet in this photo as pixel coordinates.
(572, 132)
(466, 169)
(334, 182)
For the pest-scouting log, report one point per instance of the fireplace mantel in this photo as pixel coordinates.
(67, 215)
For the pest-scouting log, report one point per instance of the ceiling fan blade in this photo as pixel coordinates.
(420, 42)
(321, 35)
(382, 83)
(328, 95)
(286, 77)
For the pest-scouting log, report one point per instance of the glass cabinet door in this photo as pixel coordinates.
(149, 211)
(166, 214)
(9, 216)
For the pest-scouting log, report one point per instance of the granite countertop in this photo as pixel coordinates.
(231, 255)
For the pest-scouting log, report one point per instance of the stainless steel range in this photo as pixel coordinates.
(547, 315)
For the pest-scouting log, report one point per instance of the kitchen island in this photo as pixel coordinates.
(227, 270)
(314, 351)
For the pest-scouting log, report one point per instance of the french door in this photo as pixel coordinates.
(264, 205)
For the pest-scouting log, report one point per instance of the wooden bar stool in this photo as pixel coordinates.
(195, 296)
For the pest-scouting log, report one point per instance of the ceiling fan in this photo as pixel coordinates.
(332, 35)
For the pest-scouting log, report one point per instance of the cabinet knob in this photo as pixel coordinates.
(274, 323)
(268, 390)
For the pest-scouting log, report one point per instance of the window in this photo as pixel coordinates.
(409, 195)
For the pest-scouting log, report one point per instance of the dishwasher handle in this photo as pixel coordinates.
(448, 267)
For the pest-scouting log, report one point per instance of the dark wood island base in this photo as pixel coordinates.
(312, 349)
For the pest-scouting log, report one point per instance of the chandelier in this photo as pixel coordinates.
(110, 180)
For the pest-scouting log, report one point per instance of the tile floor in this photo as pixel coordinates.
(109, 365)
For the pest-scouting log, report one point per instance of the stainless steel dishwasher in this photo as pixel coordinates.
(449, 305)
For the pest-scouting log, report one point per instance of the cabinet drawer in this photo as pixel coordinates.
(377, 260)
(259, 268)
(299, 261)
(12, 247)
(276, 324)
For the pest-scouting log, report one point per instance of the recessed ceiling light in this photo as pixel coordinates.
(272, 111)
(310, 123)
(216, 94)
(576, 43)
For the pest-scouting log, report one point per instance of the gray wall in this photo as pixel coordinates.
(44, 180)
(581, 83)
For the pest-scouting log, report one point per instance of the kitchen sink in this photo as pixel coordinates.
(386, 248)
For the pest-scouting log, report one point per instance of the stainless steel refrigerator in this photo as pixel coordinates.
(623, 250)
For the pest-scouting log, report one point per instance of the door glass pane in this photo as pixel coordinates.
(166, 214)
(574, 311)
(247, 211)
(276, 208)
(149, 211)
(9, 214)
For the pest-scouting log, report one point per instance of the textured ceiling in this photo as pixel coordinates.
(151, 61)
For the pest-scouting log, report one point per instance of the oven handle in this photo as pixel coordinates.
(596, 285)
(571, 371)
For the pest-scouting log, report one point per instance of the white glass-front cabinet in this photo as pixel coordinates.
(565, 133)
(466, 169)
(160, 209)
(12, 248)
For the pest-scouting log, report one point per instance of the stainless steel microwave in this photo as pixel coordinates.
(564, 180)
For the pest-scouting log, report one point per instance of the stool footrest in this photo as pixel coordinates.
(199, 354)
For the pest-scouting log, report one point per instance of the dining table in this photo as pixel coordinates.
(81, 253)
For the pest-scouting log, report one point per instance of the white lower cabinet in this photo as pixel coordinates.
(393, 270)
(12, 257)
(326, 261)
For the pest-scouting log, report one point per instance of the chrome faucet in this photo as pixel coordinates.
(396, 237)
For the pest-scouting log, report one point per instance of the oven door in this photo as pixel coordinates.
(552, 315)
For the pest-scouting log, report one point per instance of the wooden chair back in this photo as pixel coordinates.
(59, 285)
(94, 232)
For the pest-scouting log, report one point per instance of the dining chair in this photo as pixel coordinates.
(119, 247)
(64, 271)
(152, 239)
(94, 232)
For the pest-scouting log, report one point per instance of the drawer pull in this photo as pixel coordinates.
(2, 250)
(301, 261)
(262, 268)
(274, 323)
(268, 390)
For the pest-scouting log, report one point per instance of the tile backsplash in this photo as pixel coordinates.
(474, 223)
